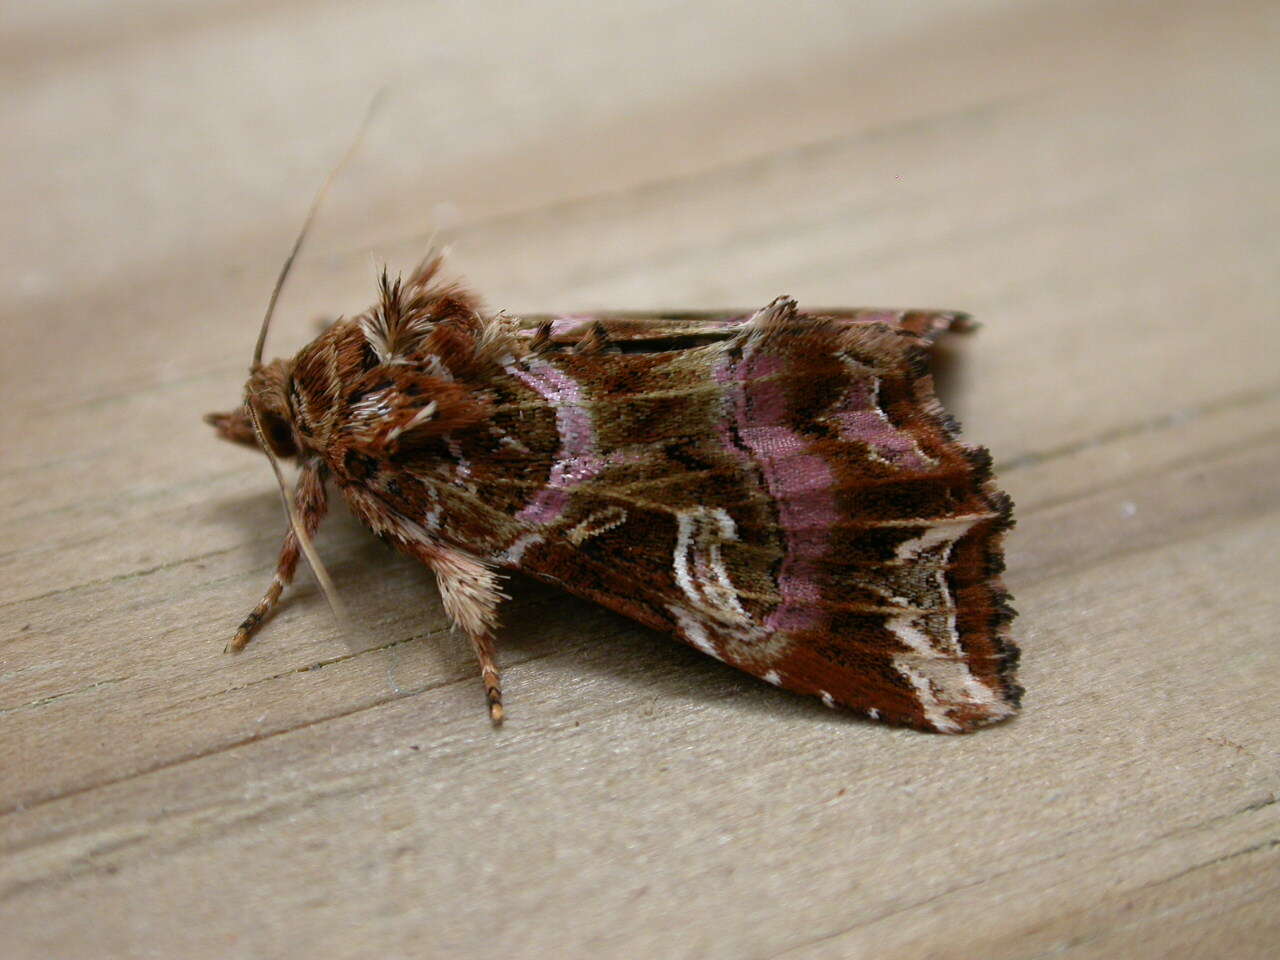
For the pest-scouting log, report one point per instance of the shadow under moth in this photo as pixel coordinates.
(781, 490)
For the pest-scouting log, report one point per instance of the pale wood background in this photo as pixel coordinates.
(1097, 182)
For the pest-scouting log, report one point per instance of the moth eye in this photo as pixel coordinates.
(279, 435)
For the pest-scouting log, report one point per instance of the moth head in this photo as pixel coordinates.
(266, 392)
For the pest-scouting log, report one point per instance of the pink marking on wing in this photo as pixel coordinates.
(570, 322)
(576, 461)
(860, 419)
(562, 325)
(799, 482)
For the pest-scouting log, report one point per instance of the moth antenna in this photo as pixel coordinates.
(374, 104)
(295, 523)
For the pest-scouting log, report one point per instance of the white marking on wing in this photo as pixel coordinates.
(694, 631)
(515, 552)
(934, 711)
(936, 667)
(698, 563)
(455, 451)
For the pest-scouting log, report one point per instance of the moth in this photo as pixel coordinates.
(779, 489)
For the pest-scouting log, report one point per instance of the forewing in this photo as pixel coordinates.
(787, 497)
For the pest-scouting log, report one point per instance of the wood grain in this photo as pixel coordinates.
(1096, 182)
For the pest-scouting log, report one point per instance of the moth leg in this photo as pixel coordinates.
(482, 644)
(311, 502)
(470, 593)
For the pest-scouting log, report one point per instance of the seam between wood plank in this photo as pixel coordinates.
(1166, 421)
(981, 109)
(1037, 864)
(257, 738)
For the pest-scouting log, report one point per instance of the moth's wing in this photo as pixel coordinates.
(790, 500)
(635, 332)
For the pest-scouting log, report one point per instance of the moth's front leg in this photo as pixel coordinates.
(311, 502)
(470, 593)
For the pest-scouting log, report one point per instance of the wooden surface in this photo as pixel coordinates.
(1096, 182)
